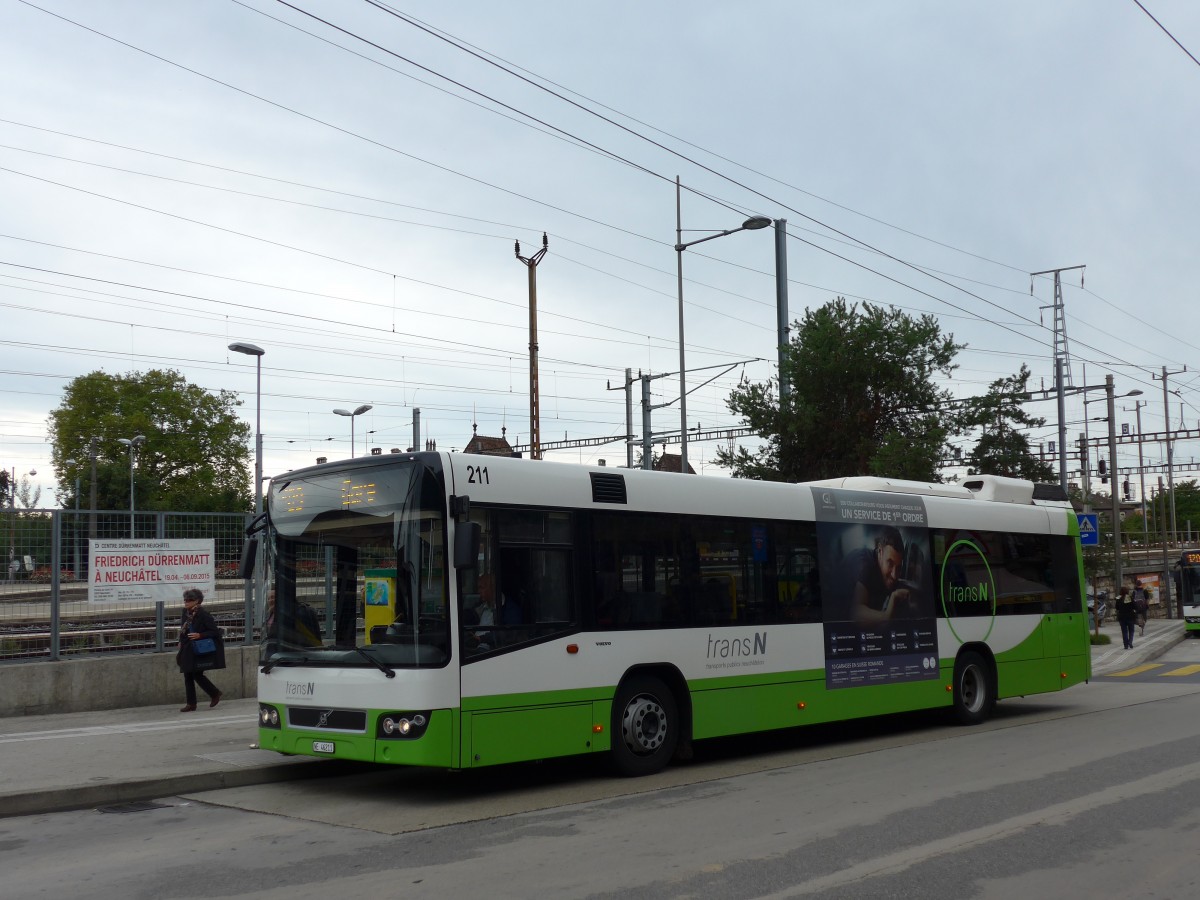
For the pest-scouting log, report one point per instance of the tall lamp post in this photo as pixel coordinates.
(751, 224)
(357, 412)
(132, 443)
(257, 352)
(259, 582)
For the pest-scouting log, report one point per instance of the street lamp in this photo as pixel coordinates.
(751, 224)
(132, 443)
(257, 352)
(358, 412)
(259, 582)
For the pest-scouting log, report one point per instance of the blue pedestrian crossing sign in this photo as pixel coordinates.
(1089, 529)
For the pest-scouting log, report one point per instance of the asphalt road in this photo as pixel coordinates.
(1092, 793)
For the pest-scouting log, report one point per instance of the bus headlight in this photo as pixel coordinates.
(402, 725)
(268, 716)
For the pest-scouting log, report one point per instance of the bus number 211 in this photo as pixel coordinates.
(477, 475)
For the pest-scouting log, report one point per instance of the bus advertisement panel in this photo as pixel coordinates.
(880, 623)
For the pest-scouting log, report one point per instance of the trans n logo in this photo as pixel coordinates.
(968, 592)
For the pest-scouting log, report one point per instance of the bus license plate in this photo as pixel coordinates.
(322, 746)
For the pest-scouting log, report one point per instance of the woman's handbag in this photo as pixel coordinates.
(204, 646)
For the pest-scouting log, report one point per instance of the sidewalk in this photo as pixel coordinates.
(80, 760)
(1161, 635)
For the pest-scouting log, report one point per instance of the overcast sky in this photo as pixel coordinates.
(344, 187)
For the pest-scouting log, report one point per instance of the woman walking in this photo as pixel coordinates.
(197, 630)
(1127, 617)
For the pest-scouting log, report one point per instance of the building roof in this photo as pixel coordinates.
(489, 446)
(669, 462)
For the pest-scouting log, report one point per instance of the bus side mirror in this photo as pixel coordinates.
(249, 552)
(466, 545)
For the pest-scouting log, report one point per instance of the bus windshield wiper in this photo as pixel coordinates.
(382, 667)
(284, 661)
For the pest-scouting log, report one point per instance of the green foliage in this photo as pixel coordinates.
(1187, 505)
(1158, 511)
(195, 456)
(1003, 447)
(863, 399)
(1099, 562)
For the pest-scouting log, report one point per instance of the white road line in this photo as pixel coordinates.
(1055, 814)
(128, 728)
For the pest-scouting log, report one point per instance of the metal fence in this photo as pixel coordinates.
(44, 608)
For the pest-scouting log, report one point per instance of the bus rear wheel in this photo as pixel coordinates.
(974, 689)
(645, 726)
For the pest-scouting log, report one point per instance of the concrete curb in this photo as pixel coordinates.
(92, 795)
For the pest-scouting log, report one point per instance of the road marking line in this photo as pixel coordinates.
(1186, 670)
(1052, 815)
(1136, 670)
(129, 728)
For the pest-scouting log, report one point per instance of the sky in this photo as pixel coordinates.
(342, 183)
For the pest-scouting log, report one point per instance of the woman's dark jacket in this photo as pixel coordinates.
(1126, 610)
(204, 625)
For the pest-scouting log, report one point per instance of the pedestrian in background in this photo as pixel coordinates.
(1142, 602)
(197, 627)
(1126, 616)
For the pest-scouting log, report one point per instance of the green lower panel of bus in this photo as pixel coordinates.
(497, 730)
(1191, 626)
(513, 735)
(737, 706)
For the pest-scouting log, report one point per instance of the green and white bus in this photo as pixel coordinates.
(458, 611)
(1187, 583)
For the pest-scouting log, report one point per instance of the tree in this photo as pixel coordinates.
(1003, 447)
(863, 399)
(195, 457)
(1187, 507)
(27, 493)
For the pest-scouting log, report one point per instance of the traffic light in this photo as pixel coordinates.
(1128, 490)
(1103, 471)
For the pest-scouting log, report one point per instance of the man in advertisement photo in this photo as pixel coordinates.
(871, 579)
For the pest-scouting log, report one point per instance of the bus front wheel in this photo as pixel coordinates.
(645, 726)
(974, 689)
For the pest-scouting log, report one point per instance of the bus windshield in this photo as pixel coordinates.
(1188, 578)
(358, 569)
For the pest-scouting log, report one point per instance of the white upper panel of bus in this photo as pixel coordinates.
(1000, 504)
